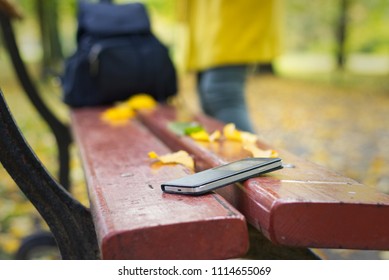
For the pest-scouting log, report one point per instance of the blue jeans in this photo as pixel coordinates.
(222, 95)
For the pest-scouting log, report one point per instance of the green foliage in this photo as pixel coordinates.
(311, 25)
(184, 128)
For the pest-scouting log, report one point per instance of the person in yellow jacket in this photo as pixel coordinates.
(225, 37)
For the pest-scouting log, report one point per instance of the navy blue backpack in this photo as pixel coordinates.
(117, 56)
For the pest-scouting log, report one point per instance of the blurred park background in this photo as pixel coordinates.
(327, 98)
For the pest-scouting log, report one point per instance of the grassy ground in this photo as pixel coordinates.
(338, 120)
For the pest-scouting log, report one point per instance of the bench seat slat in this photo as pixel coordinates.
(306, 205)
(134, 219)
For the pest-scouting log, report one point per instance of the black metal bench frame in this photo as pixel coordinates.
(69, 221)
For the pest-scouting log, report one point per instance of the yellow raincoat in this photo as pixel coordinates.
(228, 32)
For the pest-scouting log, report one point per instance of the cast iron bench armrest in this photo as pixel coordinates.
(69, 221)
(60, 131)
(304, 206)
(133, 218)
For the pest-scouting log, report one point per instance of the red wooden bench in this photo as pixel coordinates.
(133, 218)
(303, 206)
(130, 217)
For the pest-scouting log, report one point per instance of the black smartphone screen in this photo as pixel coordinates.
(222, 175)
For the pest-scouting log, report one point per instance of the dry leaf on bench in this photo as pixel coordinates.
(126, 110)
(231, 133)
(180, 157)
(257, 152)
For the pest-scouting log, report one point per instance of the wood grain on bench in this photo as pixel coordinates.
(134, 219)
(305, 205)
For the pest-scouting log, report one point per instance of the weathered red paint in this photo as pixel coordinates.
(305, 205)
(134, 219)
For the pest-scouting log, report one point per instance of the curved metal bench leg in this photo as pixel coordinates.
(61, 132)
(69, 221)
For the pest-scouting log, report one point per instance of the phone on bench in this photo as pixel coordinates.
(211, 179)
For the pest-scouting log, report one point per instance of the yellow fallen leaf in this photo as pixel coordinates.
(153, 155)
(248, 141)
(257, 152)
(201, 135)
(231, 133)
(215, 136)
(247, 137)
(118, 115)
(141, 101)
(126, 110)
(180, 157)
(9, 243)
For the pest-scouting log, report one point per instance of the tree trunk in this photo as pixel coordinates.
(341, 33)
(47, 12)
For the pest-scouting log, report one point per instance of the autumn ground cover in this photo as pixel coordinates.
(338, 120)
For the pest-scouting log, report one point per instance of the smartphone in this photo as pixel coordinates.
(211, 179)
